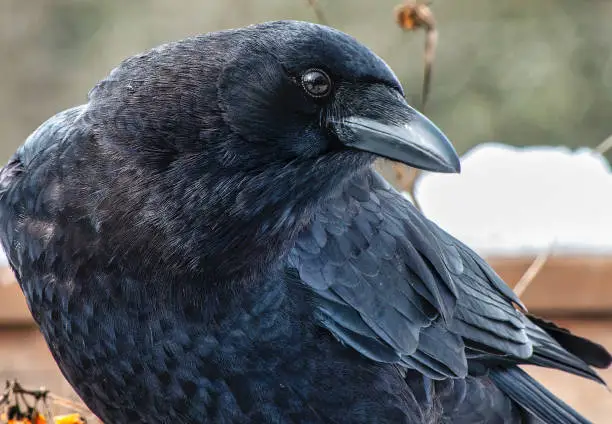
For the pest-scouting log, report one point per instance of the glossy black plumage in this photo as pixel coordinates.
(197, 245)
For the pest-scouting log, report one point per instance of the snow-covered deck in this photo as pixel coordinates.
(512, 204)
(519, 201)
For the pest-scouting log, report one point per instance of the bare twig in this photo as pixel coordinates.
(539, 262)
(604, 146)
(69, 404)
(536, 266)
(314, 4)
(532, 272)
(16, 397)
(431, 41)
(411, 17)
(406, 178)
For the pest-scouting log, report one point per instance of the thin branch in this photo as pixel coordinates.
(431, 42)
(69, 404)
(414, 16)
(539, 262)
(314, 4)
(604, 146)
(36, 394)
(16, 395)
(532, 272)
(406, 178)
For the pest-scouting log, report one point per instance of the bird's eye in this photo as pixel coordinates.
(316, 83)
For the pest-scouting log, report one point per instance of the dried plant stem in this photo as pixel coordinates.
(15, 394)
(69, 404)
(406, 178)
(314, 4)
(413, 16)
(532, 272)
(604, 146)
(431, 43)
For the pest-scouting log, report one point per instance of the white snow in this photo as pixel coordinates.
(512, 201)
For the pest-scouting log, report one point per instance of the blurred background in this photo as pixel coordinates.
(522, 73)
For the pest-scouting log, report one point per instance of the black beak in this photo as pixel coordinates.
(396, 131)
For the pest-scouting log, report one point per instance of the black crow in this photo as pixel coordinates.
(205, 241)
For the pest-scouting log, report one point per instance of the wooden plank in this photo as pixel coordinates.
(24, 356)
(13, 307)
(590, 399)
(565, 284)
(6, 276)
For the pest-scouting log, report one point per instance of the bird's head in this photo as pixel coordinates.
(298, 91)
(252, 128)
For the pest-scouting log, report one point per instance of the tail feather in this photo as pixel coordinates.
(548, 352)
(544, 359)
(533, 397)
(590, 352)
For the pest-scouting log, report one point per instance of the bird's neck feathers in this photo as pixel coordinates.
(249, 219)
(220, 225)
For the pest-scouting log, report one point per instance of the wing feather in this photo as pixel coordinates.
(397, 288)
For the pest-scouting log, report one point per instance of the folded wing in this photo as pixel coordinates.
(397, 288)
